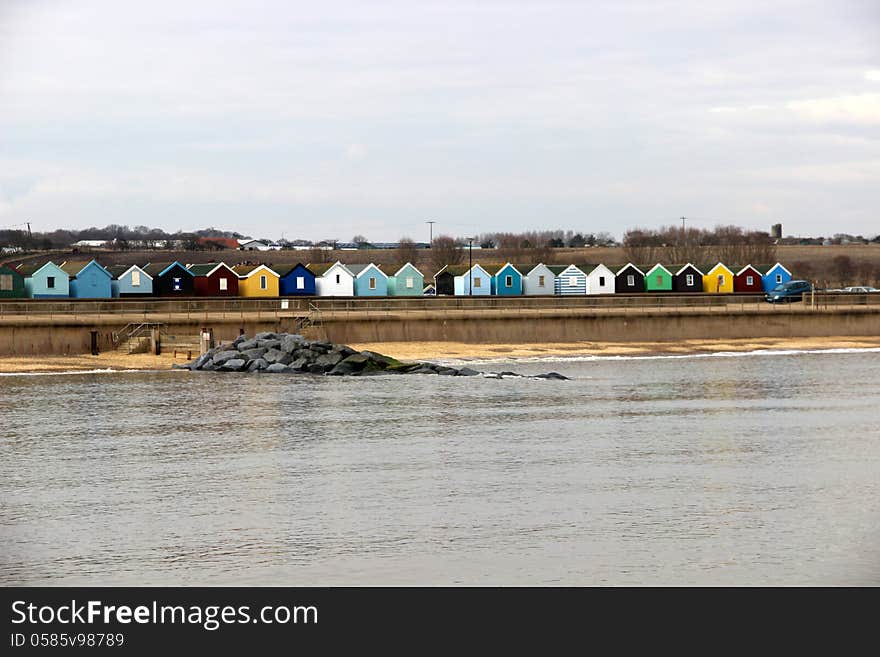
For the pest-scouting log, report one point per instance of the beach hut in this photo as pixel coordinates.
(369, 280)
(444, 280)
(256, 281)
(88, 280)
(406, 282)
(775, 275)
(333, 280)
(298, 281)
(214, 279)
(748, 279)
(170, 279)
(658, 279)
(687, 279)
(130, 281)
(474, 281)
(11, 283)
(570, 280)
(538, 279)
(718, 280)
(629, 280)
(46, 281)
(600, 280)
(507, 281)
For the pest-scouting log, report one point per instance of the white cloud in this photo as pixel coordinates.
(856, 108)
(873, 76)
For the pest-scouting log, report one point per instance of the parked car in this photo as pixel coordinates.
(788, 292)
(861, 288)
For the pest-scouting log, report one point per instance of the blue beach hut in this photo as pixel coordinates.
(369, 281)
(775, 275)
(569, 280)
(130, 281)
(406, 282)
(47, 281)
(507, 281)
(481, 279)
(88, 280)
(299, 281)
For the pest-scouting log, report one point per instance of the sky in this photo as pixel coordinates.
(330, 119)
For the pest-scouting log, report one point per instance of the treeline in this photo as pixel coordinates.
(554, 239)
(731, 245)
(118, 236)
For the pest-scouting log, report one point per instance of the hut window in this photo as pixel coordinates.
(750, 280)
(264, 282)
(508, 281)
(224, 284)
(778, 278)
(410, 283)
(477, 282)
(50, 282)
(540, 281)
(720, 279)
(372, 282)
(659, 279)
(5, 282)
(338, 279)
(176, 285)
(300, 282)
(135, 278)
(572, 280)
(689, 279)
(602, 281)
(630, 280)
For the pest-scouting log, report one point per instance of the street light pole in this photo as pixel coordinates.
(430, 233)
(471, 266)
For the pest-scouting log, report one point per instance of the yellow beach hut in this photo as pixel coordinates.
(718, 280)
(256, 281)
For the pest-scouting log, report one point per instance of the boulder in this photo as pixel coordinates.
(233, 364)
(423, 370)
(251, 354)
(265, 336)
(223, 356)
(467, 371)
(506, 373)
(383, 360)
(246, 344)
(328, 360)
(326, 346)
(239, 340)
(274, 355)
(183, 366)
(447, 371)
(257, 365)
(299, 364)
(201, 360)
(276, 368)
(349, 365)
(208, 366)
(314, 368)
(269, 344)
(290, 343)
(552, 375)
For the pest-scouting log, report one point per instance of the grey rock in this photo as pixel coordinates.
(257, 365)
(277, 368)
(233, 364)
(247, 344)
(208, 366)
(349, 365)
(183, 366)
(467, 371)
(274, 355)
(239, 340)
(299, 364)
(290, 343)
(447, 371)
(224, 356)
(423, 370)
(506, 373)
(314, 368)
(330, 359)
(552, 375)
(492, 375)
(326, 346)
(269, 344)
(382, 359)
(265, 336)
(201, 360)
(251, 354)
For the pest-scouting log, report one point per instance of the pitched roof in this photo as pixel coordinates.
(558, 269)
(118, 271)
(74, 267)
(159, 268)
(681, 269)
(661, 267)
(358, 270)
(207, 268)
(454, 270)
(286, 271)
(321, 268)
(628, 266)
(31, 269)
(250, 270)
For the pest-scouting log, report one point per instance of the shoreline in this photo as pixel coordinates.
(442, 351)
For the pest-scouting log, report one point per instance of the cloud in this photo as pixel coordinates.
(856, 108)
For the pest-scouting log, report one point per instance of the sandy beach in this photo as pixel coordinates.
(454, 350)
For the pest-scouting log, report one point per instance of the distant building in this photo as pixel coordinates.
(776, 231)
(218, 242)
(91, 244)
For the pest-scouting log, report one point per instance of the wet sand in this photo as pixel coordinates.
(455, 350)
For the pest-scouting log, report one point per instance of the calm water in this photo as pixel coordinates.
(750, 469)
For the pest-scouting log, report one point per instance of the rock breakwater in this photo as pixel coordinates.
(282, 353)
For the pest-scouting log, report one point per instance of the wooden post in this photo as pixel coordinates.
(155, 341)
(94, 341)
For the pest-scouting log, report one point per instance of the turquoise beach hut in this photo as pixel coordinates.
(775, 275)
(507, 281)
(481, 279)
(406, 282)
(47, 281)
(88, 280)
(369, 281)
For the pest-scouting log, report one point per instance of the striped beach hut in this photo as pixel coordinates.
(570, 280)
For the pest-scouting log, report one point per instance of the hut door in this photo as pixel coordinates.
(720, 282)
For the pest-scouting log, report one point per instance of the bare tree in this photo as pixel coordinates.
(405, 252)
(446, 251)
(842, 268)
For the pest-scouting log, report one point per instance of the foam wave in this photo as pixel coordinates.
(715, 354)
(69, 372)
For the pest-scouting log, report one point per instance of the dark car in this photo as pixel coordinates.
(788, 292)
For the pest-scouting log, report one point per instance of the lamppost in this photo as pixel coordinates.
(430, 233)
(471, 266)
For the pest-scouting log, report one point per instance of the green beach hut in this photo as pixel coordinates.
(11, 283)
(658, 279)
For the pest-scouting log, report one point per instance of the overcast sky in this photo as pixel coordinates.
(326, 119)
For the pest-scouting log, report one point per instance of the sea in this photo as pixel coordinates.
(729, 468)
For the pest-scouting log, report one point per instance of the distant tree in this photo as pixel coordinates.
(406, 251)
(577, 241)
(446, 251)
(842, 269)
(487, 244)
(556, 243)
